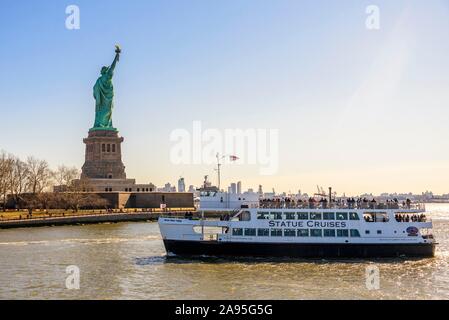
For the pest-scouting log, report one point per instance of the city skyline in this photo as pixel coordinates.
(361, 110)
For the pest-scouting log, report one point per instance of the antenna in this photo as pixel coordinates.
(218, 170)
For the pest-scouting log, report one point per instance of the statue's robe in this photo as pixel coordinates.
(104, 94)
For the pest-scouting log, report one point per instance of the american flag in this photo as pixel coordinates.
(233, 158)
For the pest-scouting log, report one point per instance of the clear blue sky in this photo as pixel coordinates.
(361, 110)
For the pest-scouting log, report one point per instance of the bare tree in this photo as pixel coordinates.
(5, 174)
(65, 176)
(18, 180)
(38, 175)
(77, 195)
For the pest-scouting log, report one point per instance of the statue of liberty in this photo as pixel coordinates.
(104, 95)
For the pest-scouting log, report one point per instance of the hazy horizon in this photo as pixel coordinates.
(363, 111)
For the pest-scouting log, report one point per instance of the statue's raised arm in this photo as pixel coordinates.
(116, 59)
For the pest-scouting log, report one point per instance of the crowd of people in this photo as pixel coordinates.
(323, 202)
(410, 217)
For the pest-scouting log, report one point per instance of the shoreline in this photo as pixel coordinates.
(90, 219)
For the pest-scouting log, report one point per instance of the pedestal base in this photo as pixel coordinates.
(103, 155)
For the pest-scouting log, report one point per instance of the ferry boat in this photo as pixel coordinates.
(304, 230)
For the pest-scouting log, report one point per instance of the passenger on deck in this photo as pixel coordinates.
(408, 203)
(311, 203)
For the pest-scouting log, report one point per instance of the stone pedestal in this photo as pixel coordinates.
(103, 156)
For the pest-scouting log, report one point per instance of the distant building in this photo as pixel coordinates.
(181, 185)
(167, 188)
(239, 187)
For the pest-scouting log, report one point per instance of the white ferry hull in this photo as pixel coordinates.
(298, 250)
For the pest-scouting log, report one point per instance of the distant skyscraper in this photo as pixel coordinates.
(233, 188)
(181, 185)
(167, 188)
(192, 189)
(239, 187)
(260, 192)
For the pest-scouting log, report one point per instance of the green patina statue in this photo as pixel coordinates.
(104, 96)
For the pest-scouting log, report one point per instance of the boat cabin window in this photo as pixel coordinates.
(354, 216)
(303, 232)
(342, 216)
(315, 216)
(316, 232)
(250, 232)
(355, 233)
(290, 215)
(276, 232)
(375, 217)
(263, 215)
(328, 216)
(245, 216)
(289, 233)
(303, 216)
(329, 232)
(344, 233)
(263, 232)
(410, 217)
(237, 231)
(276, 215)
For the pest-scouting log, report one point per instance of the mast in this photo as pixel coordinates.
(218, 170)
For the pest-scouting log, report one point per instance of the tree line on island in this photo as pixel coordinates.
(28, 184)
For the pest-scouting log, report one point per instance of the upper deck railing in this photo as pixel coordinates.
(342, 205)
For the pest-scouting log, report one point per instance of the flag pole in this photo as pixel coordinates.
(218, 170)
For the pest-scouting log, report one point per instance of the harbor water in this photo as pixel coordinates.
(128, 261)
